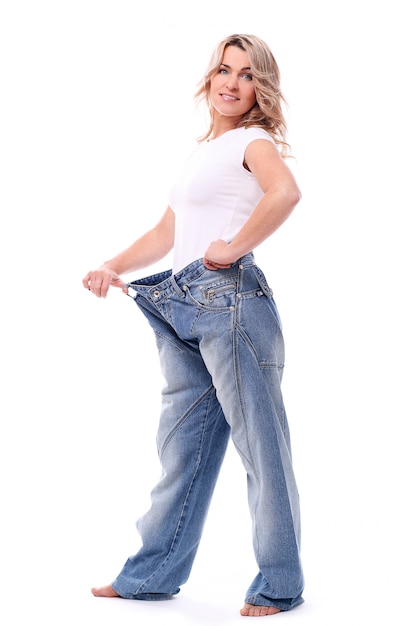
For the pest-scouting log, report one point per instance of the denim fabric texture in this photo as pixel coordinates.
(221, 351)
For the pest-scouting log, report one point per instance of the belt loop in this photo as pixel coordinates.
(177, 288)
(246, 261)
(240, 271)
(131, 292)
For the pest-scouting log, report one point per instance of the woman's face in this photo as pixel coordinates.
(232, 92)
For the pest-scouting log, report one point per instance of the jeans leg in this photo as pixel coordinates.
(243, 349)
(192, 439)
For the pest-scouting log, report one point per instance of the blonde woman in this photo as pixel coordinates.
(219, 337)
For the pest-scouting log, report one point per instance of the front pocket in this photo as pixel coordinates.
(213, 293)
(219, 295)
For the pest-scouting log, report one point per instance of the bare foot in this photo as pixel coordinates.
(105, 592)
(251, 610)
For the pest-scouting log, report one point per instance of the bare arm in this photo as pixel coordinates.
(148, 249)
(281, 194)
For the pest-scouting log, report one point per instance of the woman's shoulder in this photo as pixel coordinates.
(256, 132)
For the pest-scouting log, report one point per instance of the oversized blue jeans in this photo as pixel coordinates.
(222, 357)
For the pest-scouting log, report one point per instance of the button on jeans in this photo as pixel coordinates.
(222, 357)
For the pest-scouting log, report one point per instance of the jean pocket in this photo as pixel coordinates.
(263, 283)
(216, 295)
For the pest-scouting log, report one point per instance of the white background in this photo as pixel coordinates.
(96, 112)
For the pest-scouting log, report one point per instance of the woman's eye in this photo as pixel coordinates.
(247, 76)
(222, 70)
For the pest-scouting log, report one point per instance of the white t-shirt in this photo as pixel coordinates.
(214, 195)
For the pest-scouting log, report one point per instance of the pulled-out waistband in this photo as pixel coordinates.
(166, 282)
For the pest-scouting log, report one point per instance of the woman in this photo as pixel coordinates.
(219, 337)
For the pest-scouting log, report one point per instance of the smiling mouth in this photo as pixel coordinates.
(227, 97)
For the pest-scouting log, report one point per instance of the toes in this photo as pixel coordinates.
(104, 592)
(251, 610)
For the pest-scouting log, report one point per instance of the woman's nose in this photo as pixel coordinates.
(231, 82)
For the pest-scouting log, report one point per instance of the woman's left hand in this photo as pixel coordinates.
(217, 255)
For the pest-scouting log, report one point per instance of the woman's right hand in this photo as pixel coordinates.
(99, 281)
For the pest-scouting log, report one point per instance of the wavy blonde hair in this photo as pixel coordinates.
(267, 112)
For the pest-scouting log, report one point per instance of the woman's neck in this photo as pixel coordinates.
(223, 124)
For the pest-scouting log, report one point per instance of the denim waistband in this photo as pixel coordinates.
(165, 282)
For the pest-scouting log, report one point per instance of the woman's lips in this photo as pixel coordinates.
(228, 97)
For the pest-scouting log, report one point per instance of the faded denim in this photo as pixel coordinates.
(222, 357)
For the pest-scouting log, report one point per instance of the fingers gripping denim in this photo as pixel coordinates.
(222, 357)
